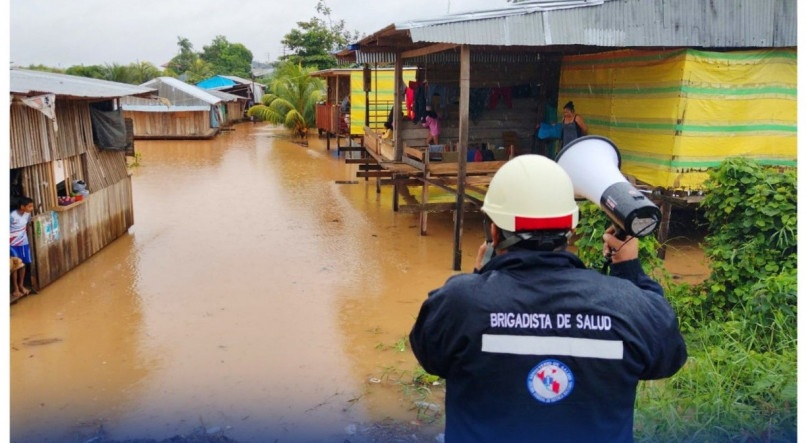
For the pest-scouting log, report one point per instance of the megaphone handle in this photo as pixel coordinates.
(619, 233)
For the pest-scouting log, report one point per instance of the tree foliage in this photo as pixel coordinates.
(312, 42)
(143, 72)
(115, 72)
(186, 58)
(44, 68)
(133, 73)
(198, 71)
(227, 58)
(220, 57)
(292, 99)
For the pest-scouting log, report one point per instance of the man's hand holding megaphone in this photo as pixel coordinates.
(619, 250)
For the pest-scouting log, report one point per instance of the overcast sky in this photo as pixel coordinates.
(65, 33)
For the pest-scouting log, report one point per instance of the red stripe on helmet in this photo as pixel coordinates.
(533, 224)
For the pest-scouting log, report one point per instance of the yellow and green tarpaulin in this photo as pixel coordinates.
(675, 113)
(381, 97)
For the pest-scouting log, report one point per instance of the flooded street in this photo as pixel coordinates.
(253, 294)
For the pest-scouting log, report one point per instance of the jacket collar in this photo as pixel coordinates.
(522, 259)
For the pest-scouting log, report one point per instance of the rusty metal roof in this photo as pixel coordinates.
(28, 83)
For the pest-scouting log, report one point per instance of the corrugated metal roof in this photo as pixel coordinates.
(617, 23)
(478, 57)
(227, 97)
(336, 72)
(236, 79)
(180, 93)
(27, 82)
(163, 108)
(374, 57)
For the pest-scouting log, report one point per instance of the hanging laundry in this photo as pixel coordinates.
(420, 98)
(478, 101)
(503, 92)
(413, 85)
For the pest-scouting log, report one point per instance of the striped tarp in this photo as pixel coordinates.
(381, 97)
(674, 114)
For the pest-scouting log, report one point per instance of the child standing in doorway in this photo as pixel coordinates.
(20, 248)
(432, 123)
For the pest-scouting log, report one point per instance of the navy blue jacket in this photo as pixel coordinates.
(536, 347)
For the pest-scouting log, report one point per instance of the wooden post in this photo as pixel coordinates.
(424, 197)
(398, 141)
(395, 197)
(464, 110)
(663, 230)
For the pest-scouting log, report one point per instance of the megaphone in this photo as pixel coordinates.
(593, 163)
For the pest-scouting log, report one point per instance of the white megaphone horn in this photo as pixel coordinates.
(593, 164)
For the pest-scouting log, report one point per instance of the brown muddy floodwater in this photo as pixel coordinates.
(254, 295)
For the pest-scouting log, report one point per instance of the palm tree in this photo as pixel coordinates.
(143, 72)
(292, 100)
(117, 73)
(198, 71)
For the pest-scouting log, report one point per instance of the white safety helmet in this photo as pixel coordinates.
(531, 193)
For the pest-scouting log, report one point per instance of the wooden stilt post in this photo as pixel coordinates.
(395, 197)
(663, 230)
(397, 104)
(464, 110)
(424, 197)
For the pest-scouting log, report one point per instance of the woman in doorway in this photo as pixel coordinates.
(573, 125)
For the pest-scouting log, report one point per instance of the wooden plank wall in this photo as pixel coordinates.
(30, 138)
(84, 229)
(170, 124)
(75, 128)
(235, 111)
(36, 182)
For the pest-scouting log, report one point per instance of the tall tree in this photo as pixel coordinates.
(199, 70)
(186, 57)
(292, 99)
(313, 41)
(227, 58)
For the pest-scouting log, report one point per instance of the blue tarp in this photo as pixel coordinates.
(215, 82)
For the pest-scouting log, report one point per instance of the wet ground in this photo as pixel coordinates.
(255, 298)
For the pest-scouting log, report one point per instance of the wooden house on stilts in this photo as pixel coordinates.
(68, 135)
(678, 85)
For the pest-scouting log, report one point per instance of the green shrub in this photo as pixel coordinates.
(752, 220)
(727, 391)
(740, 325)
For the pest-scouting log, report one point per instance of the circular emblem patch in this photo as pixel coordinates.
(550, 381)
